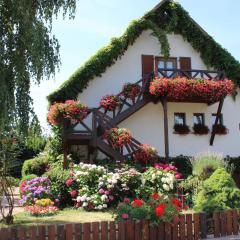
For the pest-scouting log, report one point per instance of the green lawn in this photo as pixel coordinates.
(64, 216)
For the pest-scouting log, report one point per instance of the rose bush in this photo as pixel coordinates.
(182, 88)
(70, 109)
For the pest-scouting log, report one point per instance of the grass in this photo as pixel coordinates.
(64, 216)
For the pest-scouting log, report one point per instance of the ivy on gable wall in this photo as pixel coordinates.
(169, 18)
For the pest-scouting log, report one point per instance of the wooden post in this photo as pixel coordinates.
(216, 120)
(166, 140)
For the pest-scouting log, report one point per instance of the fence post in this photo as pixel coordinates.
(203, 225)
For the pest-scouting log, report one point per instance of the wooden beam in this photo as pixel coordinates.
(166, 139)
(219, 111)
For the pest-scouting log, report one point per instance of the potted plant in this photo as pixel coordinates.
(220, 129)
(200, 129)
(131, 91)
(118, 137)
(181, 129)
(110, 102)
(70, 109)
(145, 154)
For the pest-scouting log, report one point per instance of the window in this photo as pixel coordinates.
(220, 121)
(198, 118)
(164, 63)
(180, 118)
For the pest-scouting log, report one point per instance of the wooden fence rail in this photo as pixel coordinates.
(185, 227)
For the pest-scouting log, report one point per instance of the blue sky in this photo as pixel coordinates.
(97, 21)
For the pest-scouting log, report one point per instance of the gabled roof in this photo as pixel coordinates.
(168, 17)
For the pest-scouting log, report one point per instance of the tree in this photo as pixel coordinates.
(28, 52)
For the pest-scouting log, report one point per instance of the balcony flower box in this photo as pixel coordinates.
(131, 91)
(145, 154)
(200, 129)
(182, 89)
(181, 129)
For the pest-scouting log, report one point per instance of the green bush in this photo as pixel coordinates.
(204, 164)
(218, 192)
(13, 181)
(58, 177)
(37, 165)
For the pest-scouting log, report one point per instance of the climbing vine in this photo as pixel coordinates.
(169, 18)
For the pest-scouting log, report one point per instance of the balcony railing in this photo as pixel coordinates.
(193, 74)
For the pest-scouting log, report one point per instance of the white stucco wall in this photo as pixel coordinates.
(147, 124)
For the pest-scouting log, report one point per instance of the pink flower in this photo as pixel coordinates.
(106, 192)
(126, 200)
(101, 191)
(125, 216)
(111, 198)
(178, 175)
(73, 193)
(69, 182)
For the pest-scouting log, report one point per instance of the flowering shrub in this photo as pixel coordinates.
(36, 188)
(182, 88)
(110, 102)
(42, 207)
(145, 154)
(131, 91)
(200, 129)
(93, 188)
(169, 168)
(118, 137)
(157, 179)
(70, 109)
(181, 129)
(156, 209)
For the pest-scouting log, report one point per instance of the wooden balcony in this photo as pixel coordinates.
(191, 74)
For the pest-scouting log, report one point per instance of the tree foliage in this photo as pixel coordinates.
(28, 52)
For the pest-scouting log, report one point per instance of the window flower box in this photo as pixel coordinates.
(220, 129)
(200, 129)
(181, 129)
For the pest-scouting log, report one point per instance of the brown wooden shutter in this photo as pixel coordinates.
(185, 63)
(147, 64)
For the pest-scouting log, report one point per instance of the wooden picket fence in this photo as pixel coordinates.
(186, 227)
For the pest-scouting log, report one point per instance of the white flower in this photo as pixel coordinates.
(104, 197)
(95, 202)
(100, 207)
(83, 198)
(166, 187)
(114, 181)
(104, 205)
(78, 199)
(85, 204)
(154, 176)
(88, 198)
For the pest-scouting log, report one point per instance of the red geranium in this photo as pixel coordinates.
(155, 196)
(137, 202)
(70, 109)
(69, 182)
(176, 203)
(110, 102)
(160, 210)
(118, 137)
(182, 88)
(145, 154)
(131, 91)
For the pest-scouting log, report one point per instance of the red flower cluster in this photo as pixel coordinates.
(169, 168)
(69, 182)
(110, 102)
(22, 187)
(137, 202)
(131, 91)
(145, 154)
(176, 203)
(160, 209)
(37, 210)
(118, 137)
(70, 109)
(182, 88)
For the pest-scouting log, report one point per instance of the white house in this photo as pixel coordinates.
(141, 50)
